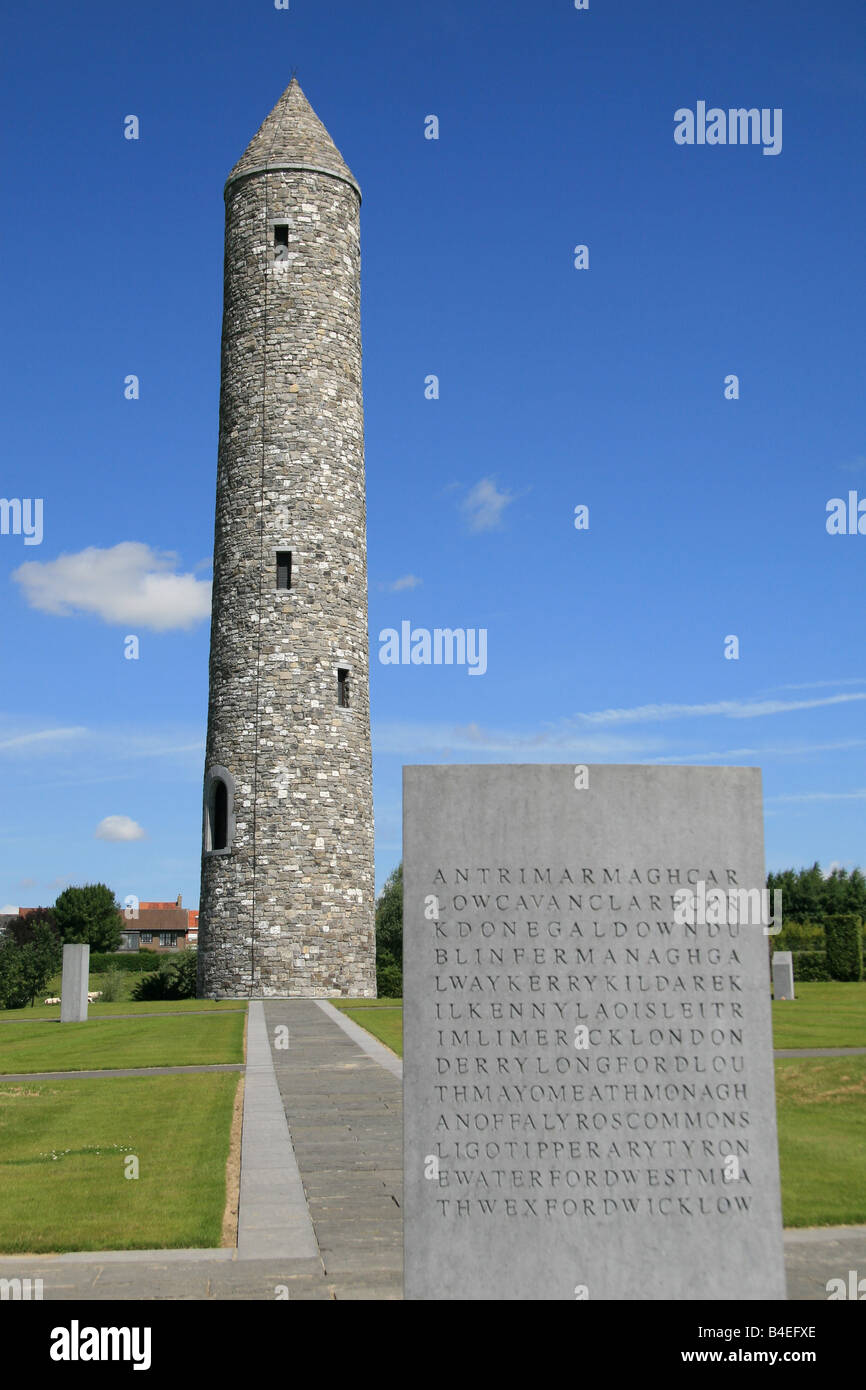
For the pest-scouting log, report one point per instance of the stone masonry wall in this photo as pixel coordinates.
(289, 911)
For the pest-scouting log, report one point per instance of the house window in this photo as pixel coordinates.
(284, 569)
(146, 938)
(219, 821)
(343, 687)
(168, 938)
(281, 241)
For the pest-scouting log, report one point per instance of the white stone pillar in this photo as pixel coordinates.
(73, 991)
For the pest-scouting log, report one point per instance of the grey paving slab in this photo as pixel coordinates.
(343, 1099)
(114, 1071)
(372, 1046)
(820, 1052)
(164, 1013)
(816, 1255)
(272, 1213)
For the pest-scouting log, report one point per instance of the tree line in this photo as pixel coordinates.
(810, 896)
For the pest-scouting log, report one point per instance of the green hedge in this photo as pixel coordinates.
(798, 936)
(137, 961)
(844, 946)
(810, 966)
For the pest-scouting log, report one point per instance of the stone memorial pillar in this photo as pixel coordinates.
(73, 990)
(783, 975)
(588, 1068)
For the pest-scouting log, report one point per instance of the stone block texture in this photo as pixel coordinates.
(287, 905)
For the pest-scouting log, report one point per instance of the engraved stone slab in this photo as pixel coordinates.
(588, 1067)
(783, 975)
(73, 986)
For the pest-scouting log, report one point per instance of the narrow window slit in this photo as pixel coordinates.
(284, 569)
(220, 814)
(343, 687)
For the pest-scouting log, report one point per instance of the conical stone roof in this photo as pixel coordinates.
(293, 137)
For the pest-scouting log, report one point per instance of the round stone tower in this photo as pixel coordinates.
(287, 892)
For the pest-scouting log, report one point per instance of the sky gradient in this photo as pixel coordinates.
(558, 387)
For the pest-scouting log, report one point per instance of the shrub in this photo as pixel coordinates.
(389, 980)
(810, 966)
(185, 973)
(11, 982)
(175, 979)
(112, 985)
(389, 937)
(844, 946)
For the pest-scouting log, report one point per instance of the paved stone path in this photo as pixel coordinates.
(273, 1218)
(164, 1013)
(345, 1115)
(815, 1255)
(820, 1052)
(334, 1230)
(117, 1071)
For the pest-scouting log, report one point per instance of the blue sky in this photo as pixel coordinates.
(557, 387)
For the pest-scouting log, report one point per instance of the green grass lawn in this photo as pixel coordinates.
(822, 1015)
(62, 1151)
(821, 1107)
(381, 1017)
(148, 1041)
(821, 1102)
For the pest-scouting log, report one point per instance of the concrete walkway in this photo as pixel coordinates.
(321, 1185)
(273, 1220)
(117, 1071)
(164, 1013)
(820, 1052)
(344, 1111)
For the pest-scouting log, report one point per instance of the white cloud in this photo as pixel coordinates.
(836, 864)
(446, 739)
(42, 740)
(483, 508)
(119, 828)
(792, 750)
(406, 581)
(814, 685)
(129, 584)
(728, 709)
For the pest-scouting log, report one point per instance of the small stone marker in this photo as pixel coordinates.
(783, 975)
(588, 1077)
(73, 990)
